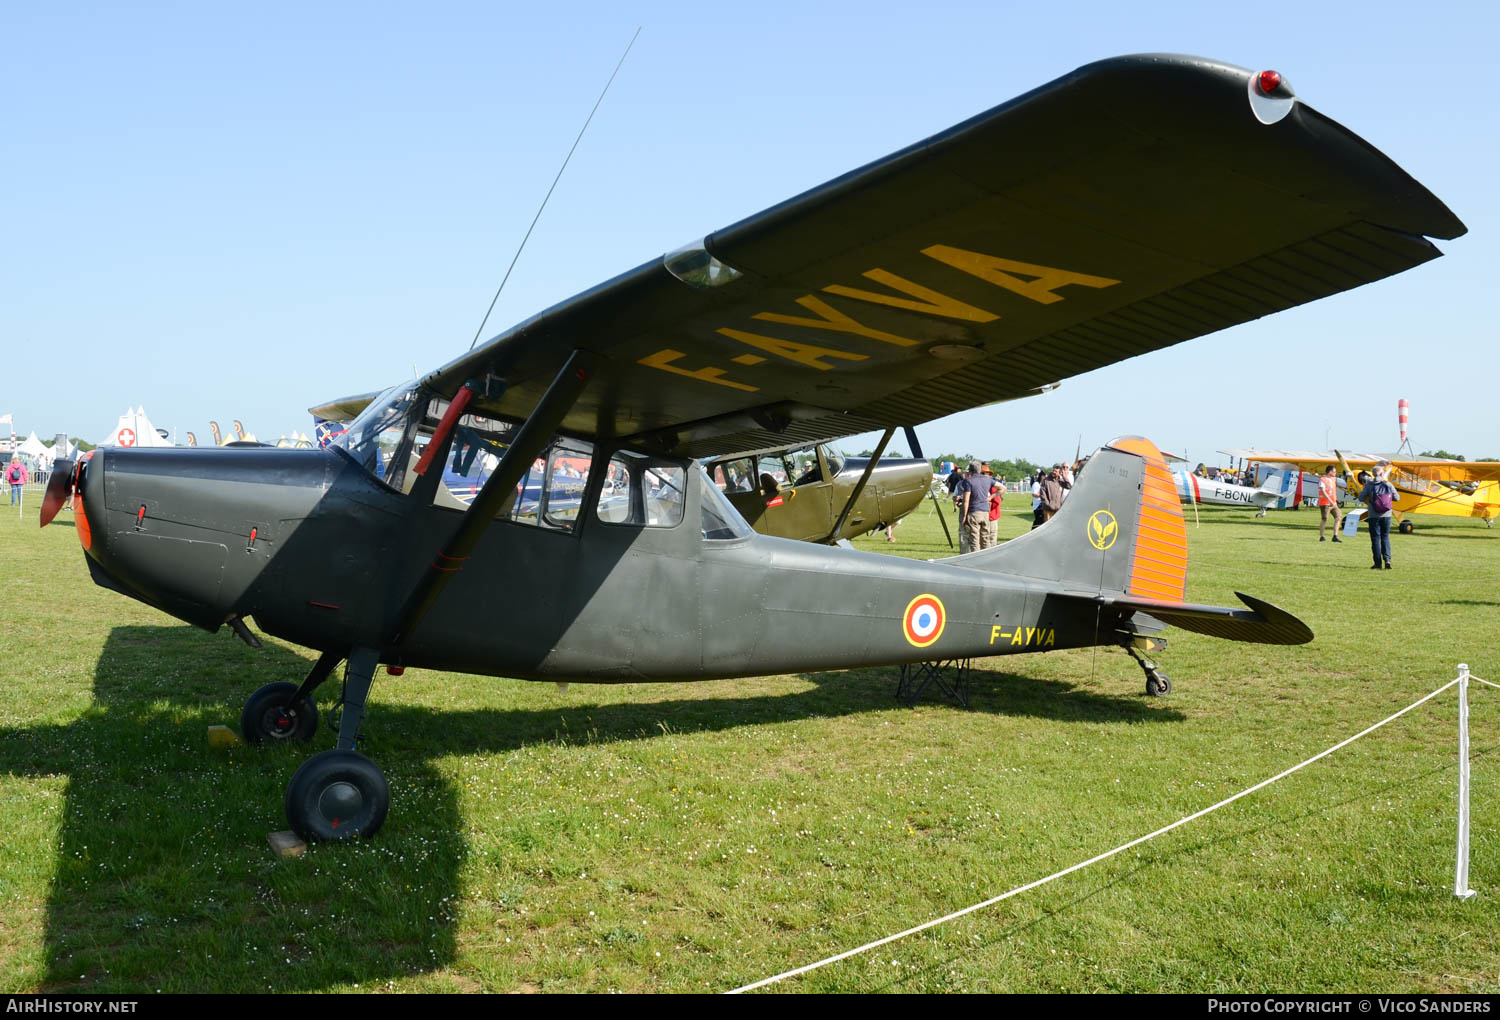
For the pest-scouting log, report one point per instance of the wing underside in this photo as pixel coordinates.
(1131, 205)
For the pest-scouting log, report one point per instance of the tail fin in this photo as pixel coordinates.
(1119, 531)
(1120, 542)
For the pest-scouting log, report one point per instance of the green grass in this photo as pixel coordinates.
(695, 837)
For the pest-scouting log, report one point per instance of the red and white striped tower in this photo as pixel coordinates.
(1403, 414)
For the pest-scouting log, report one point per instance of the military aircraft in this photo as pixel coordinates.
(1128, 206)
(816, 494)
(1424, 485)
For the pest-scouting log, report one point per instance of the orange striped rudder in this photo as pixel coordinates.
(1159, 569)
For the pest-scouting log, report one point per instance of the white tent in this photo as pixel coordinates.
(32, 447)
(52, 453)
(135, 429)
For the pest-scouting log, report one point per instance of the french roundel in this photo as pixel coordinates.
(924, 620)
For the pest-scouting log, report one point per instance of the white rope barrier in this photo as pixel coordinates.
(1092, 860)
(1485, 682)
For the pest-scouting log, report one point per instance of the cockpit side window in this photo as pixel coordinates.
(735, 475)
(390, 436)
(643, 491)
(550, 493)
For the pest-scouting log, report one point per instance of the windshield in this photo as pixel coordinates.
(720, 519)
(377, 438)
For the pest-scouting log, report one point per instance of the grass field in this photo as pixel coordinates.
(696, 837)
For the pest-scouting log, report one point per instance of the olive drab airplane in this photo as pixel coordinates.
(1125, 207)
(816, 494)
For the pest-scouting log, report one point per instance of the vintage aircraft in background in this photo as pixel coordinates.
(1131, 205)
(816, 494)
(1424, 485)
(1193, 489)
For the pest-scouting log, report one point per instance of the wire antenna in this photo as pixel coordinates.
(560, 170)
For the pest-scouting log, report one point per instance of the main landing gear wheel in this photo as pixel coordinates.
(1406, 527)
(337, 795)
(1157, 683)
(270, 715)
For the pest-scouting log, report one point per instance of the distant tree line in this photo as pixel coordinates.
(1011, 470)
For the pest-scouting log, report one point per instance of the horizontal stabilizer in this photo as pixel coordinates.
(1263, 623)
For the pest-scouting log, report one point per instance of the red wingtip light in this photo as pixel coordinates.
(1268, 82)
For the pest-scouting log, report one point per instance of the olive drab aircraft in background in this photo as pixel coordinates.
(816, 494)
(1125, 207)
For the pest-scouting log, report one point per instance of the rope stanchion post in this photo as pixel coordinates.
(1461, 867)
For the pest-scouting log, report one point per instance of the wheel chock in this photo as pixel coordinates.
(223, 736)
(287, 843)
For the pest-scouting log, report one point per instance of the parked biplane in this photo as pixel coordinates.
(1424, 485)
(1128, 206)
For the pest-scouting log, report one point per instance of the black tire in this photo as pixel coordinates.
(336, 796)
(1406, 527)
(1158, 684)
(269, 716)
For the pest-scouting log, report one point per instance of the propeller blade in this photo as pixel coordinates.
(59, 489)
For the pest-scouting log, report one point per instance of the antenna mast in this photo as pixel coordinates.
(560, 170)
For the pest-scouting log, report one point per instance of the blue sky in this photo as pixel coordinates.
(237, 212)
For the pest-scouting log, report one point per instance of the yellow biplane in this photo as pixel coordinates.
(1424, 485)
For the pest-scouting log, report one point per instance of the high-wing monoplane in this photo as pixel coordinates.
(1424, 485)
(816, 494)
(1128, 206)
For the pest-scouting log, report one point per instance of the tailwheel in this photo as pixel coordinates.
(1406, 527)
(274, 713)
(337, 795)
(1158, 683)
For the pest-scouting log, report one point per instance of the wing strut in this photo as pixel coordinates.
(859, 487)
(499, 491)
(916, 451)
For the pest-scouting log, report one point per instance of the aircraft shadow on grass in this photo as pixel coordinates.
(163, 876)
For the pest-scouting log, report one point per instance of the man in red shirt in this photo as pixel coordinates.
(997, 493)
(1328, 500)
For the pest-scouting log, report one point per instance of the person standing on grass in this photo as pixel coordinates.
(997, 493)
(1380, 496)
(15, 477)
(1328, 500)
(1051, 494)
(974, 511)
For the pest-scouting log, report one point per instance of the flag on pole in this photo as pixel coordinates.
(7, 419)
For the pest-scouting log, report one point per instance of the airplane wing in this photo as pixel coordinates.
(1128, 206)
(1427, 468)
(1450, 470)
(1307, 460)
